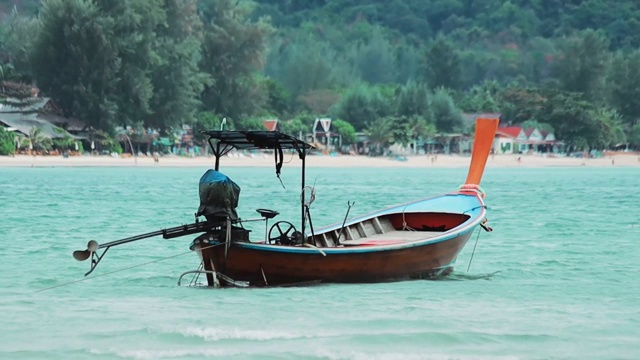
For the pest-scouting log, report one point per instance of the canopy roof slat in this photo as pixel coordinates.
(252, 140)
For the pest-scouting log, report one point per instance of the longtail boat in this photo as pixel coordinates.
(415, 240)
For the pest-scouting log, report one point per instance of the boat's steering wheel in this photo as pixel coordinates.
(281, 232)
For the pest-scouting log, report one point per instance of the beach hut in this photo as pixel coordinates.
(509, 140)
(272, 125)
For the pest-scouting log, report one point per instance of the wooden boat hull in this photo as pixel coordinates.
(419, 239)
(260, 265)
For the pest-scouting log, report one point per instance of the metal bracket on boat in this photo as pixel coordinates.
(349, 204)
(216, 283)
(95, 260)
(169, 233)
(217, 276)
(230, 281)
(486, 227)
(264, 277)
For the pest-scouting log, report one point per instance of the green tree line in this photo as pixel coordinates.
(397, 70)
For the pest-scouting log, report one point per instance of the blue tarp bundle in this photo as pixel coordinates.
(218, 196)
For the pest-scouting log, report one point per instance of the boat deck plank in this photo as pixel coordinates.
(397, 235)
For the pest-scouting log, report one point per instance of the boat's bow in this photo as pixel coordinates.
(482, 144)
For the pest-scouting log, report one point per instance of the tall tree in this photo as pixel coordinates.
(319, 101)
(303, 63)
(624, 78)
(134, 38)
(481, 98)
(375, 59)
(442, 64)
(177, 81)
(582, 65)
(233, 51)
(277, 98)
(295, 127)
(346, 131)
(408, 63)
(413, 100)
(634, 136)
(609, 130)
(521, 104)
(74, 60)
(95, 58)
(355, 107)
(16, 39)
(447, 116)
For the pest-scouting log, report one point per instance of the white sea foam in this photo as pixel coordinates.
(217, 334)
(310, 353)
(163, 354)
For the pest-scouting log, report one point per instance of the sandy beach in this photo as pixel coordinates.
(441, 161)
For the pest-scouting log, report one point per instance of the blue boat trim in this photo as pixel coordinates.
(462, 204)
(447, 235)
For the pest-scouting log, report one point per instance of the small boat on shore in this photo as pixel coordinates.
(415, 240)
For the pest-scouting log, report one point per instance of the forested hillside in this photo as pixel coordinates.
(397, 69)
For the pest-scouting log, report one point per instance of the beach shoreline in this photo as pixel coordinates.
(266, 160)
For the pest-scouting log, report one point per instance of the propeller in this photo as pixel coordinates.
(82, 255)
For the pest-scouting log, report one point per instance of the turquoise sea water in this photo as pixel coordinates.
(558, 278)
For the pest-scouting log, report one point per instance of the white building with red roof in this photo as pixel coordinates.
(515, 139)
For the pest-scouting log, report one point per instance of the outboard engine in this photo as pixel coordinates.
(218, 197)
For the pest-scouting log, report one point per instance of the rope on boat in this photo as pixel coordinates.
(315, 248)
(404, 221)
(125, 268)
(196, 276)
(474, 250)
(473, 187)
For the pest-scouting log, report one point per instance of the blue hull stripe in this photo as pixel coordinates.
(450, 203)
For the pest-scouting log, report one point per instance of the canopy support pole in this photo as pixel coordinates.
(302, 154)
(217, 154)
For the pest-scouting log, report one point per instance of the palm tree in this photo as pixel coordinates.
(420, 128)
(20, 141)
(37, 140)
(379, 133)
(6, 72)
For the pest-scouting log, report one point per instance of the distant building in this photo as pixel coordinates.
(515, 139)
(22, 116)
(272, 125)
(508, 140)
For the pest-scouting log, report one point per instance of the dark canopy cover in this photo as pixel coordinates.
(248, 140)
(218, 196)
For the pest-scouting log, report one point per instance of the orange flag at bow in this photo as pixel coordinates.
(485, 133)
